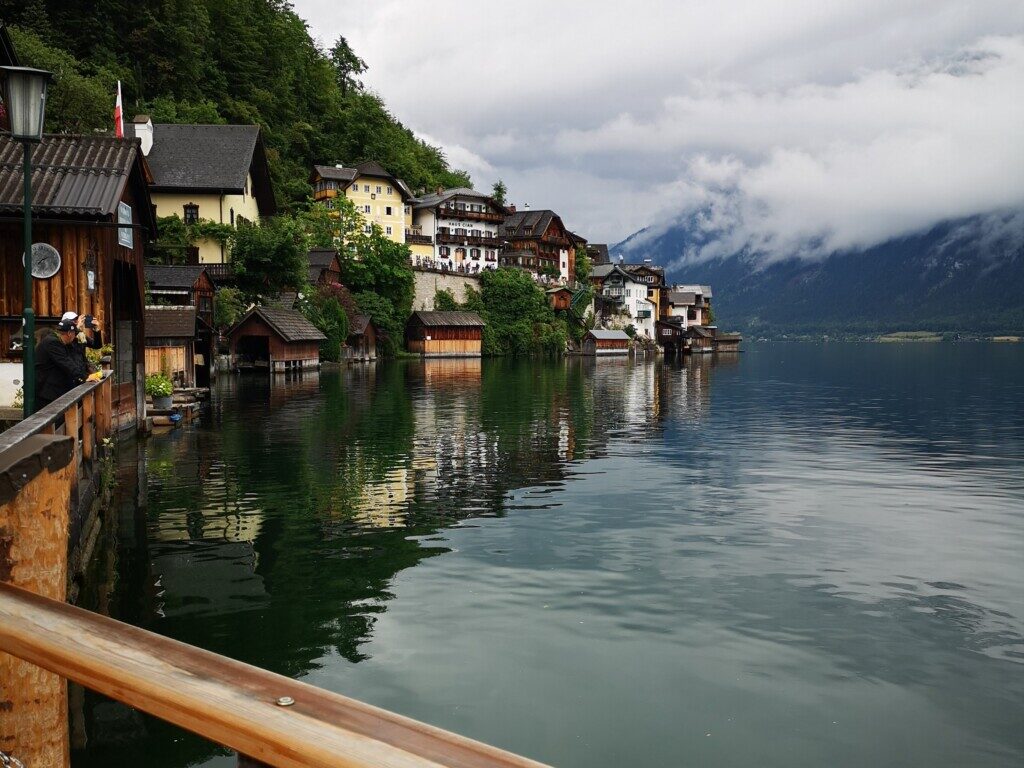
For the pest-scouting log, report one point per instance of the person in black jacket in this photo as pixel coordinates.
(87, 337)
(59, 369)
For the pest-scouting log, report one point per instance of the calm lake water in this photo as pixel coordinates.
(808, 555)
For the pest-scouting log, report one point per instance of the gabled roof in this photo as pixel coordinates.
(359, 325)
(321, 257)
(699, 330)
(289, 324)
(183, 277)
(365, 168)
(439, 318)
(557, 289)
(210, 158)
(170, 322)
(538, 221)
(598, 253)
(602, 335)
(682, 298)
(76, 176)
(434, 200)
(701, 290)
(603, 271)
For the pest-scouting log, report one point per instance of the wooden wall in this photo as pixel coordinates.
(446, 347)
(279, 348)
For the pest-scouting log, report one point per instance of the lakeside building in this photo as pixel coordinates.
(215, 173)
(537, 241)
(457, 229)
(380, 197)
(691, 302)
(601, 342)
(361, 344)
(654, 278)
(624, 299)
(92, 222)
(182, 285)
(179, 344)
(275, 339)
(324, 267)
(445, 334)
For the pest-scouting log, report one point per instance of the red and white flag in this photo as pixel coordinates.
(118, 114)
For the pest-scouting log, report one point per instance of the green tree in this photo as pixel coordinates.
(499, 191)
(347, 65)
(228, 306)
(373, 262)
(269, 258)
(445, 301)
(323, 309)
(583, 264)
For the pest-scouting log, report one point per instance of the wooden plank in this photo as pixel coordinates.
(88, 425)
(33, 556)
(226, 701)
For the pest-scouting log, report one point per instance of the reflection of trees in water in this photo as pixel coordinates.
(276, 525)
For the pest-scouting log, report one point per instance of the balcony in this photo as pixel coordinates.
(449, 212)
(418, 239)
(643, 314)
(453, 239)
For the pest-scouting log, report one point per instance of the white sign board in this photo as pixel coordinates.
(124, 234)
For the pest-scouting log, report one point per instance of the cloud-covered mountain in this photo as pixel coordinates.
(965, 275)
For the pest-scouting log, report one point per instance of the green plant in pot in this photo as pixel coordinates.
(160, 388)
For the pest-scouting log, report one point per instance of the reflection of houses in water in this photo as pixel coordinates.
(382, 503)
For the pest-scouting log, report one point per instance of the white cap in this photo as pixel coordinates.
(69, 317)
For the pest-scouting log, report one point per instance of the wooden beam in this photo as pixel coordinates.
(270, 718)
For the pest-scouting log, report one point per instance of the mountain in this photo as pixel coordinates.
(964, 276)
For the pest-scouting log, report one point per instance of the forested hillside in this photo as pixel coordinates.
(219, 61)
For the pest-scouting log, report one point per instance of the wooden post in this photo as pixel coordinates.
(36, 480)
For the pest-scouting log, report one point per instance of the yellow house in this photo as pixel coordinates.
(380, 198)
(215, 173)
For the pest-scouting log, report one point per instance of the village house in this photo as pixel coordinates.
(444, 334)
(654, 278)
(559, 298)
(600, 342)
(379, 197)
(214, 173)
(92, 221)
(598, 253)
(691, 301)
(361, 344)
(456, 228)
(538, 242)
(179, 344)
(182, 285)
(275, 339)
(324, 267)
(623, 293)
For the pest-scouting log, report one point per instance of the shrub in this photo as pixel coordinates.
(159, 385)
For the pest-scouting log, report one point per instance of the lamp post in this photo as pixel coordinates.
(25, 103)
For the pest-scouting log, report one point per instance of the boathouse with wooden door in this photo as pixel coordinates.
(275, 339)
(698, 339)
(361, 344)
(178, 345)
(445, 334)
(599, 342)
(560, 298)
(670, 334)
(727, 342)
(92, 221)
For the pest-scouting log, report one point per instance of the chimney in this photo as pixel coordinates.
(511, 208)
(338, 165)
(526, 206)
(144, 132)
(620, 258)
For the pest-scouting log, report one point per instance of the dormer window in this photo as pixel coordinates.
(191, 213)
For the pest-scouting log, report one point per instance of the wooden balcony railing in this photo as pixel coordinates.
(418, 239)
(271, 719)
(447, 212)
(454, 239)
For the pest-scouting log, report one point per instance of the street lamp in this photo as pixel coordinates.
(25, 104)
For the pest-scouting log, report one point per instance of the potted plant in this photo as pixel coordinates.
(160, 388)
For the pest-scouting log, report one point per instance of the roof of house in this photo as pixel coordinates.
(365, 168)
(432, 200)
(703, 290)
(537, 221)
(321, 257)
(685, 298)
(602, 335)
(210, 158)
(359, 325)
(558, 289)
(170, 322)
(448, 318)
(77, 176)
(700, 330)
(602, 271)
(183, 276)
(289, 324)
(720, 336)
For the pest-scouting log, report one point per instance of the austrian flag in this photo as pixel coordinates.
(118, 114)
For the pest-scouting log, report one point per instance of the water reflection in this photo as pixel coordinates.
(750, 543)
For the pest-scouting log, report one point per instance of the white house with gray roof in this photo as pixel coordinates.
(456, 228)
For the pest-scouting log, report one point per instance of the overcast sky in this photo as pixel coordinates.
(841, 123)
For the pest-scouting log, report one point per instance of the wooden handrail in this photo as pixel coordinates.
(226, 701)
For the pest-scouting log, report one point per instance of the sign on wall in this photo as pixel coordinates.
(124, 234)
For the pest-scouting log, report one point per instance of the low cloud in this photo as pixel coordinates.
(796, 127)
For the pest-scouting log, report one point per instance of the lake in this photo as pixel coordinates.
(804, 555)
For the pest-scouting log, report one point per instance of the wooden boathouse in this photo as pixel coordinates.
(92, 220)
(445, 334)
(275, 339)
(599, 342)
(178, 344)
(361, 344)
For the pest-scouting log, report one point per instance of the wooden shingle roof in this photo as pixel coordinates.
(289, 324)
(445, 318)
(170, 322)
(176, 276)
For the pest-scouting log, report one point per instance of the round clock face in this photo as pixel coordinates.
(45, 261)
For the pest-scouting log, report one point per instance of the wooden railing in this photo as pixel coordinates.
(269, 718)
(449, 212)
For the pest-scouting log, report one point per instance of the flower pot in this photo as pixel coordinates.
(163, 403)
